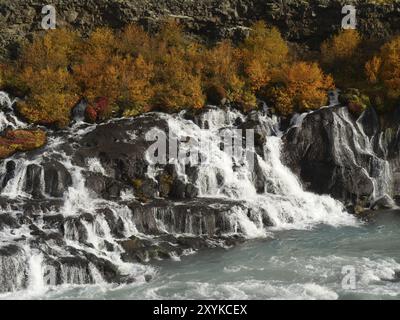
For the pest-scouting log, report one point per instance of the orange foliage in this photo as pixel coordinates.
(177, 81)
(43, 71)
(135, 72)
(21, 140)
(341, 47)
(221, 69)
(263, 52)
(384, 70)
(303, 87)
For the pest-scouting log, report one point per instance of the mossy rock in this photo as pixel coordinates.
(165, 184)
(355, 100)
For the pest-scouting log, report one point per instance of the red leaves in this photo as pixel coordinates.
(21, 140)
(99, 111)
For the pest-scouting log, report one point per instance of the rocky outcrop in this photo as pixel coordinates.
(335, 153)
(91, 200)
(304, 22)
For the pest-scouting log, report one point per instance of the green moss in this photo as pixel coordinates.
(165, 182)
(138, 189)
(355, 100)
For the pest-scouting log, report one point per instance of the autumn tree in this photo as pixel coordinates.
(383, 73)
(43, 71)
(177, 81)
(343, 57)
(262, 54)
(134, 41)
(221, 74)
(302, 86)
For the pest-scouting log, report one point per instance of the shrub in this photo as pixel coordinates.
(216, 94)
(135, 88)
(303, 86)
(134, 41)
(42, 72)
(220, 73)
(176, 87)
(262, 54)
(278, 97)
(383, 72)
(344, 57)
(355, 100)
(51, 96)
(177, 80)
(21, 140)
(340, 47)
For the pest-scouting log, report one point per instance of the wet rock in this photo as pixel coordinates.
(115, 223)
(331, 156)
(13, 268)
(8, 221)
(75, 270)
(369, 121)
(10, 173)
(78, 112)
(75, 230)
(141, 250)
(57, 179)
(383, 203)
(33, 181)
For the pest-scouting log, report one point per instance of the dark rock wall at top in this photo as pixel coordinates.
(305, 22)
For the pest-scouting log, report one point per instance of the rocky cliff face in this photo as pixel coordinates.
(305, 22)
(94, 200)
(353, 159)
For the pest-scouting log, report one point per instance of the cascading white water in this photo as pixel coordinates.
(283, 200)
(380, 173)
(9, 119)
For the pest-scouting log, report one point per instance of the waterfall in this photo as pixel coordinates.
(282, 200)
(378, 169)
(54, 221)
(7, 117)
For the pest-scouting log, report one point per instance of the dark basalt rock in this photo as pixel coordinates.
(33, 181)
(10, 173)
(307, 23)
(8, 221)
(115, 224)
(327, 152)
(57, 179)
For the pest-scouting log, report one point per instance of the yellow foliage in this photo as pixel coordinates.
(42, 71)
(372, 69)
(176, 87)
(304, 87)
(263, 52)
(52, 95)
(341, 47)
(134, 41)
(307, 85)
(133, 72)
(383, 71)
(221, 68)
(135, 89)
(177, 81)
(53, 50)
